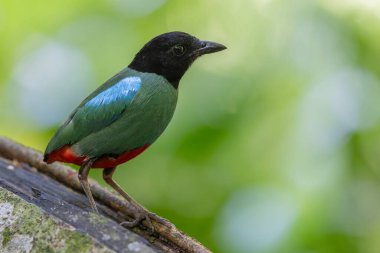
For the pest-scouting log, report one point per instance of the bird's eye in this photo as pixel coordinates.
(178, 50)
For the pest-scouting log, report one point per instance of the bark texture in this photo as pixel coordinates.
(42, 209)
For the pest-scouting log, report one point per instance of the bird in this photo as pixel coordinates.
(126, 114)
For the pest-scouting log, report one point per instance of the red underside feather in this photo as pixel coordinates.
(67, 155)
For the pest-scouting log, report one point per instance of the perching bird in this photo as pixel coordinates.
(126, 114)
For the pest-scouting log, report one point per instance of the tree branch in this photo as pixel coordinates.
(166, 236)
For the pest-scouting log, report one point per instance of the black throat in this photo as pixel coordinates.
(172, 75)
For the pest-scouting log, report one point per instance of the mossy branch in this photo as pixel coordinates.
(166, 236)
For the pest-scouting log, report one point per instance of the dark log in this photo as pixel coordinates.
(53, 191)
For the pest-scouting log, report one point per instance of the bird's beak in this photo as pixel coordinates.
(208, 47)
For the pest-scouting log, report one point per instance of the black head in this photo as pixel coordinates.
(171, 54)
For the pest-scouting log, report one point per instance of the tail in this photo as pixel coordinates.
(46, 158)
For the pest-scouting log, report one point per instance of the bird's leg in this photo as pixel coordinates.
(140, 212)
(82, 175)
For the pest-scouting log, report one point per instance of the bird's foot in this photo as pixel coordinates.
(140, 214)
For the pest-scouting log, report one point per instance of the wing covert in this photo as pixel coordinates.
(97, 112)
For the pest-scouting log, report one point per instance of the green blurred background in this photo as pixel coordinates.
(275, 143)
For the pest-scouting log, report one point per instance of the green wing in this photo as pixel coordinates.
(103, 107)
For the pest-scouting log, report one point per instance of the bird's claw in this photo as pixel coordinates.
(140, 215)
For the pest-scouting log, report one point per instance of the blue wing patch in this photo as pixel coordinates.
(100, 109)
(105, 108)
(125, 89)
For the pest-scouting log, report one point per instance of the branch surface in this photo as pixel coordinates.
(166, 236)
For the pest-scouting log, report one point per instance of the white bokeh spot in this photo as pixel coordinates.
(50, 82)
(254, 220)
